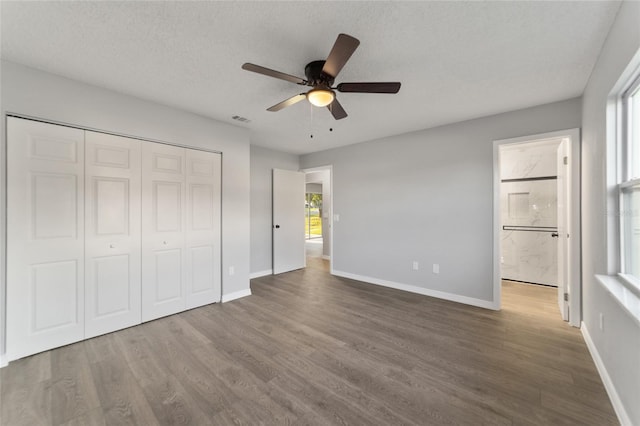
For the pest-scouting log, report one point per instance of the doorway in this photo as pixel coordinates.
(318, 216)
(536, 218)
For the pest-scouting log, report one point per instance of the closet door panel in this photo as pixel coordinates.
(113, 235)
(203, 227)
(163, 228)
(45, 236)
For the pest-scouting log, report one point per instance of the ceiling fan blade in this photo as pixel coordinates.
(340, 53)
(272, 73)
(292, 100)
(336, 110)
(387, 87)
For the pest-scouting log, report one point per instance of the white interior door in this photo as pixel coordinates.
(564, 220)
(163, 225)
(112, 233)
(288, 220)
(203, 267)
(45, 232)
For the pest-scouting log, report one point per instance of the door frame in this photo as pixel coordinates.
(575, 262)
(331, 245)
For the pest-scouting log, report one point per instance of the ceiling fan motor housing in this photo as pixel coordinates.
(315, 76)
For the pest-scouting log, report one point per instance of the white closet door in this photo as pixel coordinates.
(203, 228)
(163, 230)
(112, 233)
(45, 232)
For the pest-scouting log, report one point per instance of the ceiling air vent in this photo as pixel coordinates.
(241, 119)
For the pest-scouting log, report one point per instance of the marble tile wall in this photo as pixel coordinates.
(528, 160)
(529, 255)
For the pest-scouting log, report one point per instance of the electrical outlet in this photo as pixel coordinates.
(232, 270)
(416, 266)
(436, 268)
(601, 321)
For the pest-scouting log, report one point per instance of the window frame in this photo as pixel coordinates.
(625, 175)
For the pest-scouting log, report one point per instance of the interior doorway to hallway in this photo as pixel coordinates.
(318, 213)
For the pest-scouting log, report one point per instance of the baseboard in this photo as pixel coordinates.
(618, 407)
(236, 295)
(487, 304)
(260, 274)
(326, 257)
(4, 361)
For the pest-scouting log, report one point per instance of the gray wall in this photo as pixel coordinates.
(263, 161)
(427, 196)
(619, 344)
(34, 93)
(314, 188)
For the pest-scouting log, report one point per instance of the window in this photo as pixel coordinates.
(629, 184)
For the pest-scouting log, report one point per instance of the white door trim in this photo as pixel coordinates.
(575, 282)
(331, 186)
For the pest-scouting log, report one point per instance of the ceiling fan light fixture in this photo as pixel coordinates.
(320, 97)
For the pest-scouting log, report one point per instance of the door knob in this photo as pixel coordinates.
(112, 246)
(164, 242)
(554, 235)
(277, 226)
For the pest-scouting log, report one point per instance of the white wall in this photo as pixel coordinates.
(263, 161)
(30, 92)
(619, 344)
(427, 196)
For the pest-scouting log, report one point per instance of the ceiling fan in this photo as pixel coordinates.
(321, 75)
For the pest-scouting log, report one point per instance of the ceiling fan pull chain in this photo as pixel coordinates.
(311, 121)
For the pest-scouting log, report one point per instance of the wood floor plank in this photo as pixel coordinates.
(308, 348)
(73, 391)
(172, 404)
(121, 397)
(27, 404)
(29, 370)
(94, 417)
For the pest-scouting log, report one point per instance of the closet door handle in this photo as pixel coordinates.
(554, 235)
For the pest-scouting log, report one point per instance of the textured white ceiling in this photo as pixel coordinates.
(456, 60)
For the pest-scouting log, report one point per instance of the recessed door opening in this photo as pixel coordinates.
(318, 216)
(313, 214)
(535, 212)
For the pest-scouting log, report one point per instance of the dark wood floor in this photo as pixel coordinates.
(308, 348)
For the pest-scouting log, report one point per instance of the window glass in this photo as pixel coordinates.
(634, 133)
(631, 230)
(630, 185)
